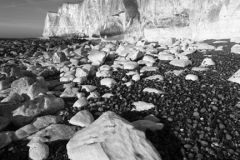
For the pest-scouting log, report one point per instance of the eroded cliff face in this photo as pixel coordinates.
(150, 19)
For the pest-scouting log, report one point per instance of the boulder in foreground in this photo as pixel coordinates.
(111, 137)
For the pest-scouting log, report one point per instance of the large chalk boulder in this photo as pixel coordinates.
(111, 137)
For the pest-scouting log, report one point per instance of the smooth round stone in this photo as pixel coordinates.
(191, 77)
(190, 155)
(214, 108)
(109, 82)
(203, 110)
(196, 114)
(141, 106)
(221, 126)
(136, 77)
(228, 137)
(143, 125)
(170, 119)
(199, 156)
(188, 146)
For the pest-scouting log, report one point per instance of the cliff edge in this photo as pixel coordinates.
(150, 19)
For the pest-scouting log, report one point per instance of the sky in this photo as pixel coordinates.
(25, 18)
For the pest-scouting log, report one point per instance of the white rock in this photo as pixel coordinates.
(141, 43)
(80, 72)
(204, 46)
(236, 49)
(130, 65)
(69, 73)
(89, 88)
(149, 69)
(135, 54)
(155, 77)
(153, 90)
(143, 125)
(136, 77)
(187, 52)
(109, 82)
(181, 56)
(219, 48)
(69, 92)
(111, 137)
(97, 56)
(64, 79)
(235, 77)
(80, 80)
(152, 118)
(64, 69)
(38, 151)
(149, 59)
(178, 72)
(105, 68)
(81, 102)
(207, 62)
(83, 118)
(121, 50)
(180, 62)
(107, 95)
(235, 39)
(191, 77)
(199, 68)
(128, 84)
(94, 95)
(104, 73)
(166, 57)
(131, 73)
(141, 106)
(79, 95)
(90, 68)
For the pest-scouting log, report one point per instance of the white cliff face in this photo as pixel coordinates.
(197, 19)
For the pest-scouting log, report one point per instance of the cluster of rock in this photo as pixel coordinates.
(34, 104)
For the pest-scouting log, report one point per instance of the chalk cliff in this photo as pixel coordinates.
(151, 19)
